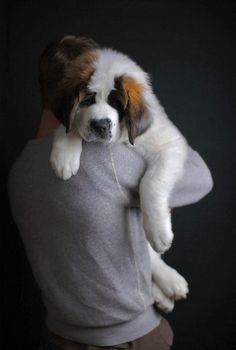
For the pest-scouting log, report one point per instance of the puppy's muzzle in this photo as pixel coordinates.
(101, 127)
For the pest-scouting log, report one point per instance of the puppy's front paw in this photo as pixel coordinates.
(65, 164)
(163, 302)
(65, 155)
(158, 232)
(172, 284)
(161, 243)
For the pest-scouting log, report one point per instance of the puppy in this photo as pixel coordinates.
(99, 94)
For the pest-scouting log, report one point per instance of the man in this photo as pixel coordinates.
(86, 245)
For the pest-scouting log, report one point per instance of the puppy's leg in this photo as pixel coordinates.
(164, 168)
(170, 282)
(165, 150)
(163, 302)
(66, 151)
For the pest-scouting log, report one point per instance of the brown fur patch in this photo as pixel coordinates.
(65, 68)
(133, 92)
(77, 74)
(130, 93)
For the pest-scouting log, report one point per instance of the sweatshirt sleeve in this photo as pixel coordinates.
(194, 184)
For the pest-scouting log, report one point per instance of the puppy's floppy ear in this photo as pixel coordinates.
(65, 68)
(136, 114)
(65, 108)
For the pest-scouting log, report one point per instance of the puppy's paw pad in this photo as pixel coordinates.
(162, 301)
(180, 289)
(159, 241)
(172, 284)
(65, 165)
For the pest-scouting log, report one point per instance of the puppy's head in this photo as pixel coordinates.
(98, 92)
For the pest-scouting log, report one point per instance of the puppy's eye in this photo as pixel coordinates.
(88, 100)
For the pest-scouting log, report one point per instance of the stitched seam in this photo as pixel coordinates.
(115, 173)
(132, 246)
(137, 272)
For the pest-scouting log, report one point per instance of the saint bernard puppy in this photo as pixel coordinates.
(99, 94)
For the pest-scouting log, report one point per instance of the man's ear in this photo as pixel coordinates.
(136, 113)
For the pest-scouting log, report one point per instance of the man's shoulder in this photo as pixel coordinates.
(34, 159)
(38, 149)
(119, 161)
(35, 151)
(123, 154)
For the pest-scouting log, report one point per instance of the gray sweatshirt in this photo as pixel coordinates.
(85, 241)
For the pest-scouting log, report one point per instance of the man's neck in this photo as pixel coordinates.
(48, 124)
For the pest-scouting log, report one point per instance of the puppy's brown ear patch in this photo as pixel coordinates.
(137, 117)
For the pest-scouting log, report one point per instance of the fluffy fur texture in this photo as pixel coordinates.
(100, 94)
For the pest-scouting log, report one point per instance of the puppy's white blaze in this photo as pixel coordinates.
(109, 64)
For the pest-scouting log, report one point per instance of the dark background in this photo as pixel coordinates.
(189, 49)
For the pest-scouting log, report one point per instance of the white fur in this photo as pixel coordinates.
(110, 64)
(65, 155)
(163, 147)
(172, 284)
(165, 150)
(168, 285)
(162, 301)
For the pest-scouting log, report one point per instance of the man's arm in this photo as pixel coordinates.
(195, 183)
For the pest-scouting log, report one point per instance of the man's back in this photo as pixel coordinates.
(85, 241)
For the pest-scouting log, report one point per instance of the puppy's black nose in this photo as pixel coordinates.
(100, 126)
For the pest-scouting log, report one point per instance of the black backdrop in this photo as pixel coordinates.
(189, 49)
